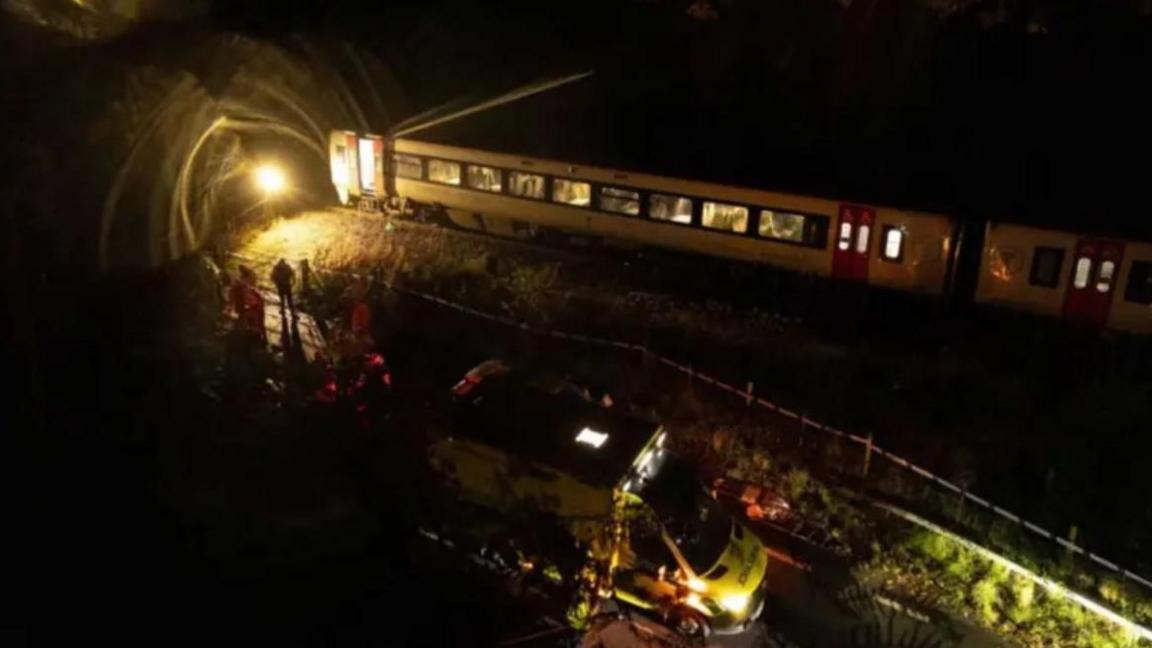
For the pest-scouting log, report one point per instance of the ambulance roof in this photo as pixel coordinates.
(594, 444)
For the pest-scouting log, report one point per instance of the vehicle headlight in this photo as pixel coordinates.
(696, 585)
(734, 603)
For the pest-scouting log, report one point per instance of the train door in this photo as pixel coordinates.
(352, 169)
(1095, 271)
(368, 156)
(853, 242)
(340, 168)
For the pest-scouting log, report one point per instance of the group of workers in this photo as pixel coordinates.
(248, 303)
(354, 363)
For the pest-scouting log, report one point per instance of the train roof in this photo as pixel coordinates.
(558, 429)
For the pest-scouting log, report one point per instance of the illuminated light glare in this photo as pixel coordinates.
(627, 486)
(340, 167)
(591, 437)
(367, 165)
(1105, 280)
(660, 439)
(646, 460)
(894, 243)
(862, 234)
(696, 585)
(734, 602)
(270, 179)
(1083, 270)
(693, 601)
(845, 236)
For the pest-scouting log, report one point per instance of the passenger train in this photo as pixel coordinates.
(1104, 282)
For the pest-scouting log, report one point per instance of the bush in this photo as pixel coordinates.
(531, 290)
(1021, 595)
(985, 594)
(796, 484)
(936, 547)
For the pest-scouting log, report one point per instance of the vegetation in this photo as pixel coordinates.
(812, 468)
(531, 290)
(936, 570)
(920, 567)
(929, 570)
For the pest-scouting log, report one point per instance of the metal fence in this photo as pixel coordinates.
(807, 427)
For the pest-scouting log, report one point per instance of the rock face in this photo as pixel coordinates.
(130, 153)
(99, 19)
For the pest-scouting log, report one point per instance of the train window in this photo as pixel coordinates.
(1104, 280)
(782, 226)
(1139, 289)
(862, 234)
(816, 231)
(670, 208)
(730, 218)
(444, 172)
(526, 185)
(408, 166)
(845, 241)
(1083, 273)
(571, 192)
(1046, 265)
(621, 201)
(893, 244)
(340, 166)
(484, 178)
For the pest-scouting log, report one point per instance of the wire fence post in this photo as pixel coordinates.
(1072, 533)
(867, 457)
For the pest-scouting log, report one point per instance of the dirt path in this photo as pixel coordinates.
(288, 332)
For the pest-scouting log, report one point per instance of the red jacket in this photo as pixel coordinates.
(249, 306)
(360, 322)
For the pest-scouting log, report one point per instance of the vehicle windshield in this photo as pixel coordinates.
(698, 525)
(702, 536)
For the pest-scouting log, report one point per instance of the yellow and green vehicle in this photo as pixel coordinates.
(590, 498)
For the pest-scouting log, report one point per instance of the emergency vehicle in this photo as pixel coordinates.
(592, 499)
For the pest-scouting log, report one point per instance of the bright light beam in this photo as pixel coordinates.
(270, 179)
(428, 119)
(591, 437)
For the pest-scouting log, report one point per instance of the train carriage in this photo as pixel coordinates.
(1087, 280)
(536, 160)
(513, 195)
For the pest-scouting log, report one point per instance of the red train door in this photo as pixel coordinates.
(1095, 270)
(853, 242)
